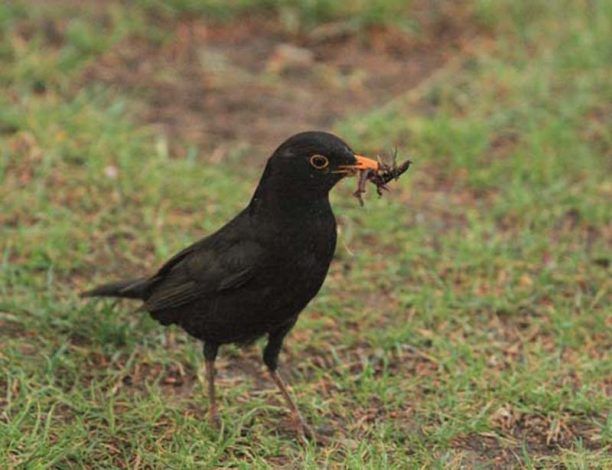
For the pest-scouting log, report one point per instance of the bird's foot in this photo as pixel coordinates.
(303, 429)
(214, 420)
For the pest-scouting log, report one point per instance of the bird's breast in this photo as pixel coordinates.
(302, 252)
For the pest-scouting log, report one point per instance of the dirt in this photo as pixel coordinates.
(537, 435)
(251, 84)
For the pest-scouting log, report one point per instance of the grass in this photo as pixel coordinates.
(466, 319)
(296, 15)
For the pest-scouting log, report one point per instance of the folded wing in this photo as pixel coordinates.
(202, 271)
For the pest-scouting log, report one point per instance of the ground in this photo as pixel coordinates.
(466, 318)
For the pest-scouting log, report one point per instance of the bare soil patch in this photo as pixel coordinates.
(251, 83)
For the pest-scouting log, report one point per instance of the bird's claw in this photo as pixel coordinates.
(214, 420)
(305, 432)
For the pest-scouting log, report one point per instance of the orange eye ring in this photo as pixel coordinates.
(319, 162)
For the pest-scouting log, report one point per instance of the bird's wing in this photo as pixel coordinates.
(202, 270)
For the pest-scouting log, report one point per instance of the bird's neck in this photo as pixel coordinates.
(285, 201)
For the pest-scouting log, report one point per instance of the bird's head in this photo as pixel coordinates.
(311, 163)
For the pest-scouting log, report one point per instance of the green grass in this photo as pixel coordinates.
(295, 15)
(467, 313)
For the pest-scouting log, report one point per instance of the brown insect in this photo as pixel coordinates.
(380, 178)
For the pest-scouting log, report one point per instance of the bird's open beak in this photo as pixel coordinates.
(362, 164)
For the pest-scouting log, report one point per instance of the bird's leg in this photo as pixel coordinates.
(210, 354)
(213, 412)
(270, 357)
(302, 427)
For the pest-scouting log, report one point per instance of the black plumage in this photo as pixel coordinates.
(254, 276)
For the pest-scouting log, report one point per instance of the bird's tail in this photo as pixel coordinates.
(130, 289)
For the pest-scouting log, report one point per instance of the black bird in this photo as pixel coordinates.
(254, 276)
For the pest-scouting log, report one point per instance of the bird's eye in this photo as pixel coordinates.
(319, 161)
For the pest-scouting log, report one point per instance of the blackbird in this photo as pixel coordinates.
(256, 274)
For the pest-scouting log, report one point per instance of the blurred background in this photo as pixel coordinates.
(466, 318)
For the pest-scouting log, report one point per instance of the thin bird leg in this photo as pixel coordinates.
(270, 357)
(303, 428)
(213, 412)
(210, 354)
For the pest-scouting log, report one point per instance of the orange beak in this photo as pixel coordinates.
(363, 163)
